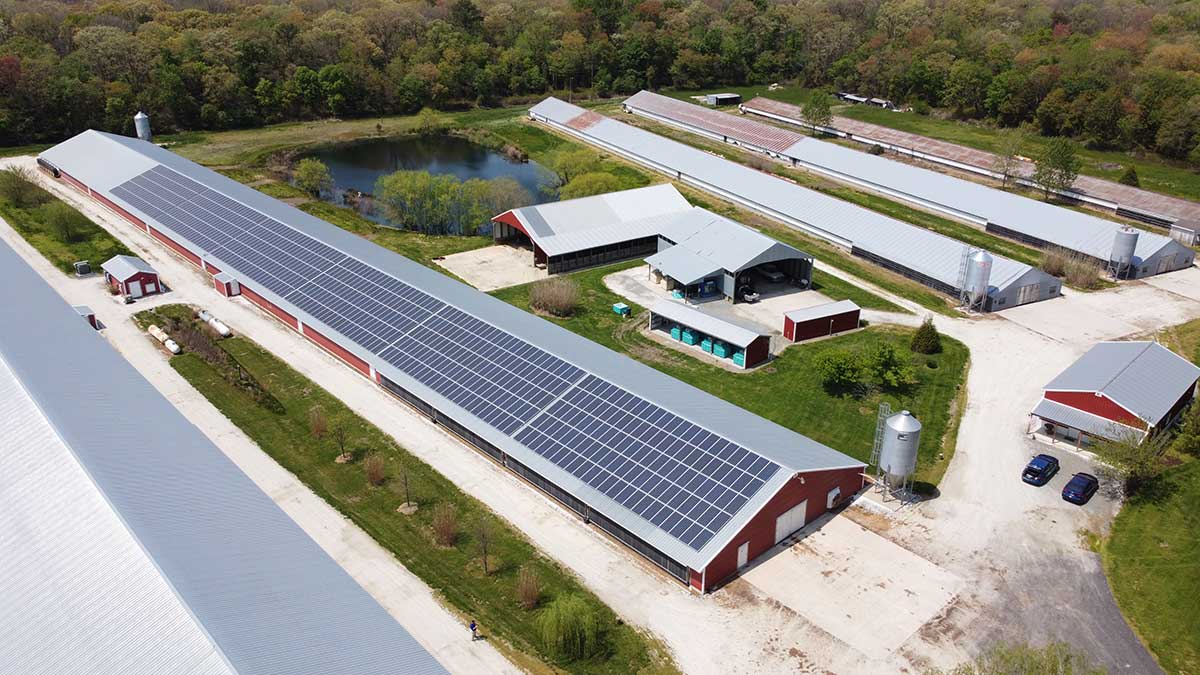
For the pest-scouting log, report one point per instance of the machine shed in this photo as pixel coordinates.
(830, 318)
(715, 335)
(1115, 388)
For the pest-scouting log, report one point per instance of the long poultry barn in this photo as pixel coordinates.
(696, 485)
(1127, 201)
(930, 258)
(1131, 253)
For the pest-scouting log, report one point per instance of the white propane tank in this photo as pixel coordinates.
(157, 333)
(215, 323)
(172, 346)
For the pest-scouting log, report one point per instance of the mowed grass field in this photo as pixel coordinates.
(454, 572)
(787, 391)
(1155, 173)
(1152, 560)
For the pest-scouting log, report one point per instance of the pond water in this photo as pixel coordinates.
(356, 166)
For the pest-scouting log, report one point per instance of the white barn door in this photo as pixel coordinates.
(789, 521)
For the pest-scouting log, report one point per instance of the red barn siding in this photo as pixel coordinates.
(539, 256)
(120, 211)
(510, 218)
(760, 531)
(337, 350)
(1101, 405)
(806, 330)
(1185, 399)
(758, 351)
(72, 181)
(175, 246)
(210, 268)
(270, 307)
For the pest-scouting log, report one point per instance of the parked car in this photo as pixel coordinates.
(1040, 470)
(1080, 488)
(771, 274)
(747, 294)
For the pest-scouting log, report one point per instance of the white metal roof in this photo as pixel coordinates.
(916, 248)
(822, 311)
(257, 587)
(792, 451)
(734, 333)
(1145, 378)
(83, 310)
(122, 267)
(80, 595)
(683, 265)
(729, 244)
(1053, 411)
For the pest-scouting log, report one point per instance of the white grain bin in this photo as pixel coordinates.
(1124, 244)
(979, 274)
(141, 123)
(898, 452)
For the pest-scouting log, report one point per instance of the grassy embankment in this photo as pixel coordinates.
(1154, 172)
(1152, 556)
(786, 391)
(59, 232)
(455, 572)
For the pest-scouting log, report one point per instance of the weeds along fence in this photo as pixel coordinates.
(202, 345)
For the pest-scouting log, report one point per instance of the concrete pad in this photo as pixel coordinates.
(861, 588)
(1132, 308)
(494, 267)
(636, 285)
(1184, 282)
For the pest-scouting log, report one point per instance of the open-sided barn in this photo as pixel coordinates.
(132, 544)
(920, 254)
(1004, 213)
(694, 484)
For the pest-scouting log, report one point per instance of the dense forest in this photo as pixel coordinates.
(1115, 73)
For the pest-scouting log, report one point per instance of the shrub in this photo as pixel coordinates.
(569, 627)
(1054, 262)
(588, 184)
(927, 339)
(317, 424)
(558, 296)
(1130, 177)
(1082, 273)
(18, 188)
(529, 587)
(445, 524)
(375, 469)
(312, 176)
(483, 542)
(876, 149)
(62, 221)
(888, 367)
(840, 370)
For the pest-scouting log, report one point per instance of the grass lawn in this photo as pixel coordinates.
(88, 240)
(785, 391)
(422, 248)
(1152, 560)
(1183, 339)
(455, 572)
(1155, 173)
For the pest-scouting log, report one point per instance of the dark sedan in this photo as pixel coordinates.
(1040, 470)
(1080, 488)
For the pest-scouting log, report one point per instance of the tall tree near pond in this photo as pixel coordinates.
(312, 176)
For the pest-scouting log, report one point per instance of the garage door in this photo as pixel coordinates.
(789, 521)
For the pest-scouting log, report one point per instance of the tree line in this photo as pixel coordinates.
(1116, 73)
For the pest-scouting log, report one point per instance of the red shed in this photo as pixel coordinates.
(830, 318)
(87, 314)
(131, 276)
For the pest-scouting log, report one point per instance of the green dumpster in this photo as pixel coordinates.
(675, 332)
(707, 344)
(739, 358)
(720, 349)
(690, 337)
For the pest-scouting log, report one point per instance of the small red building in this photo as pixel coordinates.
(830, 318)
(1116, 390)
(131, 276)
(87, 314)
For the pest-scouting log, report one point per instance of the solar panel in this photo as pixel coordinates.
(685, 480)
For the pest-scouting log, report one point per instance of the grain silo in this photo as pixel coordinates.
(898, 449)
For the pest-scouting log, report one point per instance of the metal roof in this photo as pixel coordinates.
(1053, 411)
(126, 158)
(1145, 378)
(579, 224)
(734, 333)
(82, 310)
(843, 223)
(729, 244)
(269, 599)
(722, 124)
(123, 267)
(683, 265)
(80, 595)
(821, 311)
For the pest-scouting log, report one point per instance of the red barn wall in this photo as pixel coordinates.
(211, 269)
(1103, 406)
(174, 246)
(270, 307)
(758, 351)
(150, 283)
(123, 213)
(337, 350)
(760, 531)
(806, 330)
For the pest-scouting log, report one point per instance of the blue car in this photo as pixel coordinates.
(1080, 488)
(1040, 470)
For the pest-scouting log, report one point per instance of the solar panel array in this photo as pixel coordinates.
(685, 480)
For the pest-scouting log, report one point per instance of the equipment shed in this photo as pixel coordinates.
(745, 345)
(1118, 388)
(131, 276)
(830, 318)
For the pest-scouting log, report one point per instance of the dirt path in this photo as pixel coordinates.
(1024, 574)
